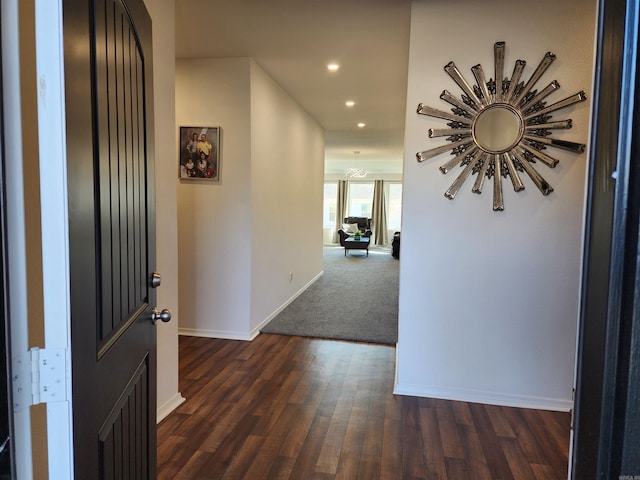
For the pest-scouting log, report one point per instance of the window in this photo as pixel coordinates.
(330, 202)
(394, 206)
(360, 199)
(360, 202)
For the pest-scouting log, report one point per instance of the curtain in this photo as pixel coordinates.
(379, 215)
(341, 208)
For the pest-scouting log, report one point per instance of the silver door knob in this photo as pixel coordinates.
(164, 315)
(156, 280)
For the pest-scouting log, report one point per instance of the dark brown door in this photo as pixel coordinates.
(108, 79)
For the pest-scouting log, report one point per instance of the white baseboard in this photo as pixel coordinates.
(169, 406)
(256, 330)
(224, 334)
(248, 336)
(490, 398)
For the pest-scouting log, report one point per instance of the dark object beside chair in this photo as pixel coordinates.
(395, 245)
(364, 224)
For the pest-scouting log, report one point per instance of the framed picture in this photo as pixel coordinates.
(199, 157)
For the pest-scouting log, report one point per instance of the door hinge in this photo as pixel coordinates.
(573, 407)
(39, 377)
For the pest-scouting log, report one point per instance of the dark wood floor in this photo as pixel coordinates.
(296, 408)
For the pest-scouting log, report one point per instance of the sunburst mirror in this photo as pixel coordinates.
(500, 128)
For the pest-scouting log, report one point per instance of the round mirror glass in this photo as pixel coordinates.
(498, 128)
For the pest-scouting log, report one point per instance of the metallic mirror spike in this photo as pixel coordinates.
(544, 93)
(477, 185)
(554, 142)
(542, 67)
(560, 124)
(498, 200)
(543, 157)
(513, 173)
(455, 186)
(535, 177)
(447, 97)
(498, 61)
(515, 78)
(447, 132)
(478, 73)
(457, 77)
(576, 98)
(455, 161)
(427, 154)
(432, 112)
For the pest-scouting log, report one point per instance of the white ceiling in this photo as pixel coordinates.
(294, 40)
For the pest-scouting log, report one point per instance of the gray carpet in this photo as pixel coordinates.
(356, 299)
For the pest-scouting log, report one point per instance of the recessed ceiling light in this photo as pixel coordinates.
(361, 125)
(333, 67)
(350, 103)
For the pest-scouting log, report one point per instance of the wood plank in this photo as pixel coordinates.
(526, 438)
(545, 472)
(373, 435)
(457, 469)
(556, 452)
(241, 460)
(491, 445)
(170, 449)
(311, 448)
(461, 413)
(435, 464)
(267, 455)
(500, 423)
(354, 437)
(391, 448)
(411, 440)
(475, 459)
(448, 427)
(298, 432)
(517, 459)
(194, 464)
(332, 445)
(292, 408)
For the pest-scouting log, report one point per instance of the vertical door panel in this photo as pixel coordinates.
(122, 172)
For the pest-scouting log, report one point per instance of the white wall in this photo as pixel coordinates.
(214, 219)
(489, 300)
(236, 237)
(163, 28)
(287, 168)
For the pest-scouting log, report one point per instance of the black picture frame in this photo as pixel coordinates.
(199, 157)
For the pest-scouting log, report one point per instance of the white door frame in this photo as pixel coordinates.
(53, 201)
